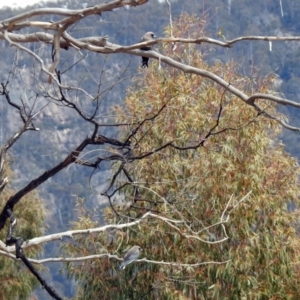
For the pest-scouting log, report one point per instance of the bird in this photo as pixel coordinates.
(148, 36)
(131, 255)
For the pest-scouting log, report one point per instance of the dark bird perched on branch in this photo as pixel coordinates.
(147, 37)
(131, 255)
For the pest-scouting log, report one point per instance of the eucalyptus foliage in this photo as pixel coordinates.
(257, 240)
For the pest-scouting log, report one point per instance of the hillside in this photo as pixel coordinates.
(125, 27)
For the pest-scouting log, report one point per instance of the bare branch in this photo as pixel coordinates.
(171, 222)
(10, 23)
(71, 158)
(111, 256)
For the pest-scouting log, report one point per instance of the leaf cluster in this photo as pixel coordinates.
(17, 282)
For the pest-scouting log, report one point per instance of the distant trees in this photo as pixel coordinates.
(196, 175)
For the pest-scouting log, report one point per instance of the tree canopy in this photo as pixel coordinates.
(219, 194)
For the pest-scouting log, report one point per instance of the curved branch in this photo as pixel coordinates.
(13, 200)
(135, 50)
(78, 13)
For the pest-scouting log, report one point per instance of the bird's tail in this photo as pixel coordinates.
(145, 62)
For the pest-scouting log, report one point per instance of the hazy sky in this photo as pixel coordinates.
(18, 3)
